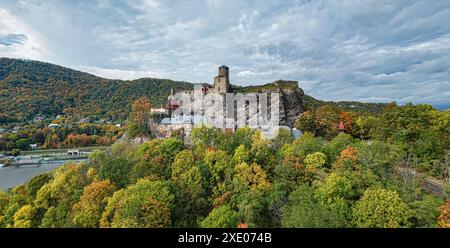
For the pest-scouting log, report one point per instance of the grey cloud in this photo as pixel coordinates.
(12, 39)
(366, 50)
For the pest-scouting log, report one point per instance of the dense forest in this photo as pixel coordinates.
(368, 175)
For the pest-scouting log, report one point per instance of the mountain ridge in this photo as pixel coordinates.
(29, 87)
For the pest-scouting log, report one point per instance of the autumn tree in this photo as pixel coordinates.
(251, 176)
(24, 217)
(88, 210)
(444, 217)
(327, 120)
(261, 153)
(347, 159)
(156, 158)
(4, 202)
(141, 110)
(306, 122)
(241, 154)
(347, 119)
(57, 196)
(145, 204)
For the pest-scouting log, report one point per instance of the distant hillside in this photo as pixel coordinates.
(311, 103)
(28, 88)
(373, 108)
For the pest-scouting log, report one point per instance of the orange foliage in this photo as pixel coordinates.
(294, 162)
(222, 199)
(347, 119)
(242, 225)
(444, 218)
(350, 153)
(141, 109)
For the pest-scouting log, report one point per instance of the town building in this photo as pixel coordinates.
(160, 110)
(54, 125)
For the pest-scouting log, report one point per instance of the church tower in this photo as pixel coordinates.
(222, 81)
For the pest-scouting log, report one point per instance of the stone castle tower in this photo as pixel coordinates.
(222, 81)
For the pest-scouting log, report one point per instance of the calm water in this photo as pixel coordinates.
(12, 176)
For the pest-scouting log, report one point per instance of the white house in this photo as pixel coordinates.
(54, 125)
(158, 110)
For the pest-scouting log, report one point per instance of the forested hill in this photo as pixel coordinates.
(29, 87)
(351, 106)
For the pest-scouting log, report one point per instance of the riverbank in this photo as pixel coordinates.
(32, 163)
(14, 175)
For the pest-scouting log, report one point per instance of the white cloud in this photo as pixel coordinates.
(118, 74)
(244, 74)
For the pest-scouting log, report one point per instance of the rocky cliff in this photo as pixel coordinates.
(291, 98)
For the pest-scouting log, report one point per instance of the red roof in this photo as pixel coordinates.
(171, 105)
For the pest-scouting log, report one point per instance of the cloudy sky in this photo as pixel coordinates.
(365, 50)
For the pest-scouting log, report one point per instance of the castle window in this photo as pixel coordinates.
(219, 88)
(218, 80)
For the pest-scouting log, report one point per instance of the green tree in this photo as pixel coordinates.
(36, 183)
(306, 144)
(189, 200)
(116, 170)
(315, 160)
(23, 144)
(425, 211)
(221, 217)
(381, 208)
(303, 210)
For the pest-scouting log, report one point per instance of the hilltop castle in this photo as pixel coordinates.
(221, 85)
(190, 108)
(222, 81)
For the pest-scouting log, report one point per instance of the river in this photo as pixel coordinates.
(15, 175)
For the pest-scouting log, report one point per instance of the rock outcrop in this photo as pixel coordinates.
(291, 98)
